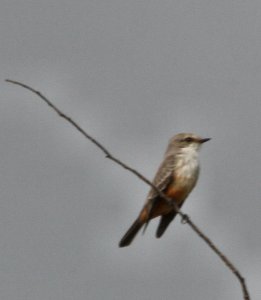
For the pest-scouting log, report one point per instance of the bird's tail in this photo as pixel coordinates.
(164, 223)
(131, 233)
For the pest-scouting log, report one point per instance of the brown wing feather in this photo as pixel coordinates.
(162, 179)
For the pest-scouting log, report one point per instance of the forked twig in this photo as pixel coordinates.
(185, 218)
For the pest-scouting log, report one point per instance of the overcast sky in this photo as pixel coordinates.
(132, 73)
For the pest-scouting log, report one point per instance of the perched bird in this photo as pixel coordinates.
(176, 177)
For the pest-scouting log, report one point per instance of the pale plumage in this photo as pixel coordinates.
(176, 177)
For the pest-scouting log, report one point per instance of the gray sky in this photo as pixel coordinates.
(132, 73)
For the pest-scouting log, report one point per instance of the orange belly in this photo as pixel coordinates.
(177, 195)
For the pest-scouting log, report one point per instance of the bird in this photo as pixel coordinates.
(176, 177)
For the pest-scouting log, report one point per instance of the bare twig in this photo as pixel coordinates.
(185, 218)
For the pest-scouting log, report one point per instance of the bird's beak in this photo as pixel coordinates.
(201, 141)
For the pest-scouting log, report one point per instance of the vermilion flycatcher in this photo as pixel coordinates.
(176, 177)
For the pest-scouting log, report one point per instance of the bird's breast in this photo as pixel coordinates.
(186, 171)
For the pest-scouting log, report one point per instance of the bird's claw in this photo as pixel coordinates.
(184, 219)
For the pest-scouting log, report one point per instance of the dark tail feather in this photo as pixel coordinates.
(131, 233)
(164, 223)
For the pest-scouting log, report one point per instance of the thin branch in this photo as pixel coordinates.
(185, 218)
(222, 256)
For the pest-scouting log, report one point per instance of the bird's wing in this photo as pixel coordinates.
(162, 179)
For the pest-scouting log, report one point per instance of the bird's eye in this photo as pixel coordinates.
(188, 139)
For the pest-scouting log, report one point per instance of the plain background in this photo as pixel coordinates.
(132, 73)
